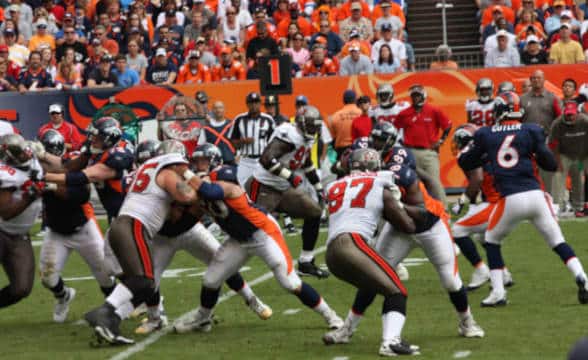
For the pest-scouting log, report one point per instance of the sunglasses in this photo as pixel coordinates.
(99, 34)
(231, 13)
(68, 32)
(55, 113)
(298, 39)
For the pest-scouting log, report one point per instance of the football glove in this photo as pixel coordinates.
(457, 207)
(38, 149)
(295, 180)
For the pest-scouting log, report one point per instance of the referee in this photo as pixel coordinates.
(250, 134)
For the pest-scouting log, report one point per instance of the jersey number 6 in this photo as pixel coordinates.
(337, 193)
(507, 156)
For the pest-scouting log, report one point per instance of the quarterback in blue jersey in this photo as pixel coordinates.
(513, 150)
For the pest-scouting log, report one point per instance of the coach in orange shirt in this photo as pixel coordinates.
(193, 72)
(422, 123)
(341, 121)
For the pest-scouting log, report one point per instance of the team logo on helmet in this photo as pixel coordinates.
(53, 142)
(462, 136)
(364, 160)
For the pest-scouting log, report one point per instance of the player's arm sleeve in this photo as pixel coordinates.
(210, 191)
(274, 150)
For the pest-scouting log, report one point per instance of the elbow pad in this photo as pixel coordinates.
(76, 178)
(210, 191)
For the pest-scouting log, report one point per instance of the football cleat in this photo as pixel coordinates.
(196, 322)
(341, 335)
(495, 299)
(396, 347)
(262, 310)
(402, 272)
(62, 305)
(139, 311)
(479, 277)
(333, 320)
(291, 229)
(582, 290)
(469, 328)
(150, 325)
(106, 324)
(507, 278)
(310, 269)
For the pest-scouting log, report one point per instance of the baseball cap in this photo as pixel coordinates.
(271, 100)
(353, 33)
(565, 25)
(160, 52)
(198, 1)
(559, 3)
(105, 58)
(386, 26)
(385, 4)
(497, 8)
(354, 46)
(253, 97)
(349, 96)
(567, 13)
(135, 30)
(501, 33)
(3, 48)
(355, 5)
(194, 54)
(170, 13)
(301, 100)
(201, 96)
(200, 39)
(68, 15)
(532, 38)
(14, 8)
(41, 23)
(364, 99)
(570, 108)
(55, 108)
(9, 32)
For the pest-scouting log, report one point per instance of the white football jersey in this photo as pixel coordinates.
(6, 128)
(146, 201)
(480, 114)
(13, 178)
(293, 160)
(356, 203)
(388, 114)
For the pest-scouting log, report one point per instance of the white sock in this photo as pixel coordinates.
(576, 268)
(204, 311)
(496, 279)
(392, 324)
(322, 308)
(353, 320)
(119, 296)
(246, 293)
(464, 315)
(287, 221)
(306, 256)
(125, 310)
(153, 312)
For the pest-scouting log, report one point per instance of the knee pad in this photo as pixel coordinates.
(290, 282)
(450, 281)
(49, 279)
(212, 281)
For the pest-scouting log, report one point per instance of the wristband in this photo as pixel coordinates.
(285, 173)
(188, 174)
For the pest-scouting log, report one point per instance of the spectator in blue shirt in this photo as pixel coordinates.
(127, 77)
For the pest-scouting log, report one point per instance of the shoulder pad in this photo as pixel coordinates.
(225, 173)
(286, 132)
(403, 175)
(8, 177)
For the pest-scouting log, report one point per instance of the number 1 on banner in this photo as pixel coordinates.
(274, 65)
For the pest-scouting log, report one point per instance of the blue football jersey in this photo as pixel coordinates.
(399, 155)
(513, 151)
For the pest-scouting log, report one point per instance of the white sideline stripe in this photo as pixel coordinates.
(142, 345)
(461, 354)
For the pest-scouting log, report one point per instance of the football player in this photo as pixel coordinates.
(475, 221)
(357, 203)
(71, 226)
(513, 150)
(158, 183)
(504, 87)
(279, 184)
(183, 231)
(481, 110)
(433, 235)
(20, 205)
(251, 231)
(387, 108)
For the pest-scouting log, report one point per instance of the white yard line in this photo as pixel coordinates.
(143, 344)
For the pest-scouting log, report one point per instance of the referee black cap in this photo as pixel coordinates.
(253, 97)
(271, 100)
(201, 97)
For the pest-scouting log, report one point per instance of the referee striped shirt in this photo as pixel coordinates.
(259, 128)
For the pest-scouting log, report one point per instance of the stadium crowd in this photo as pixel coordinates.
(72, 44)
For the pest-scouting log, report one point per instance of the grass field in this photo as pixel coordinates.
(541, 322)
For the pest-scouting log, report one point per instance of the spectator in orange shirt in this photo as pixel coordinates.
(444, 61)
(345, 10)
(340, 123)
(364, 46)
(228, 69)
(281, 12)
(110, 45)
(325, 13)
(488, 14)
(319, 64)
(303, 25)
(193, 72)
(42, 37)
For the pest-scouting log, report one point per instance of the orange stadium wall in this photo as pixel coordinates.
(447, 89)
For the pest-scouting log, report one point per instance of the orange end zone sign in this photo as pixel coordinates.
(9, 115)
